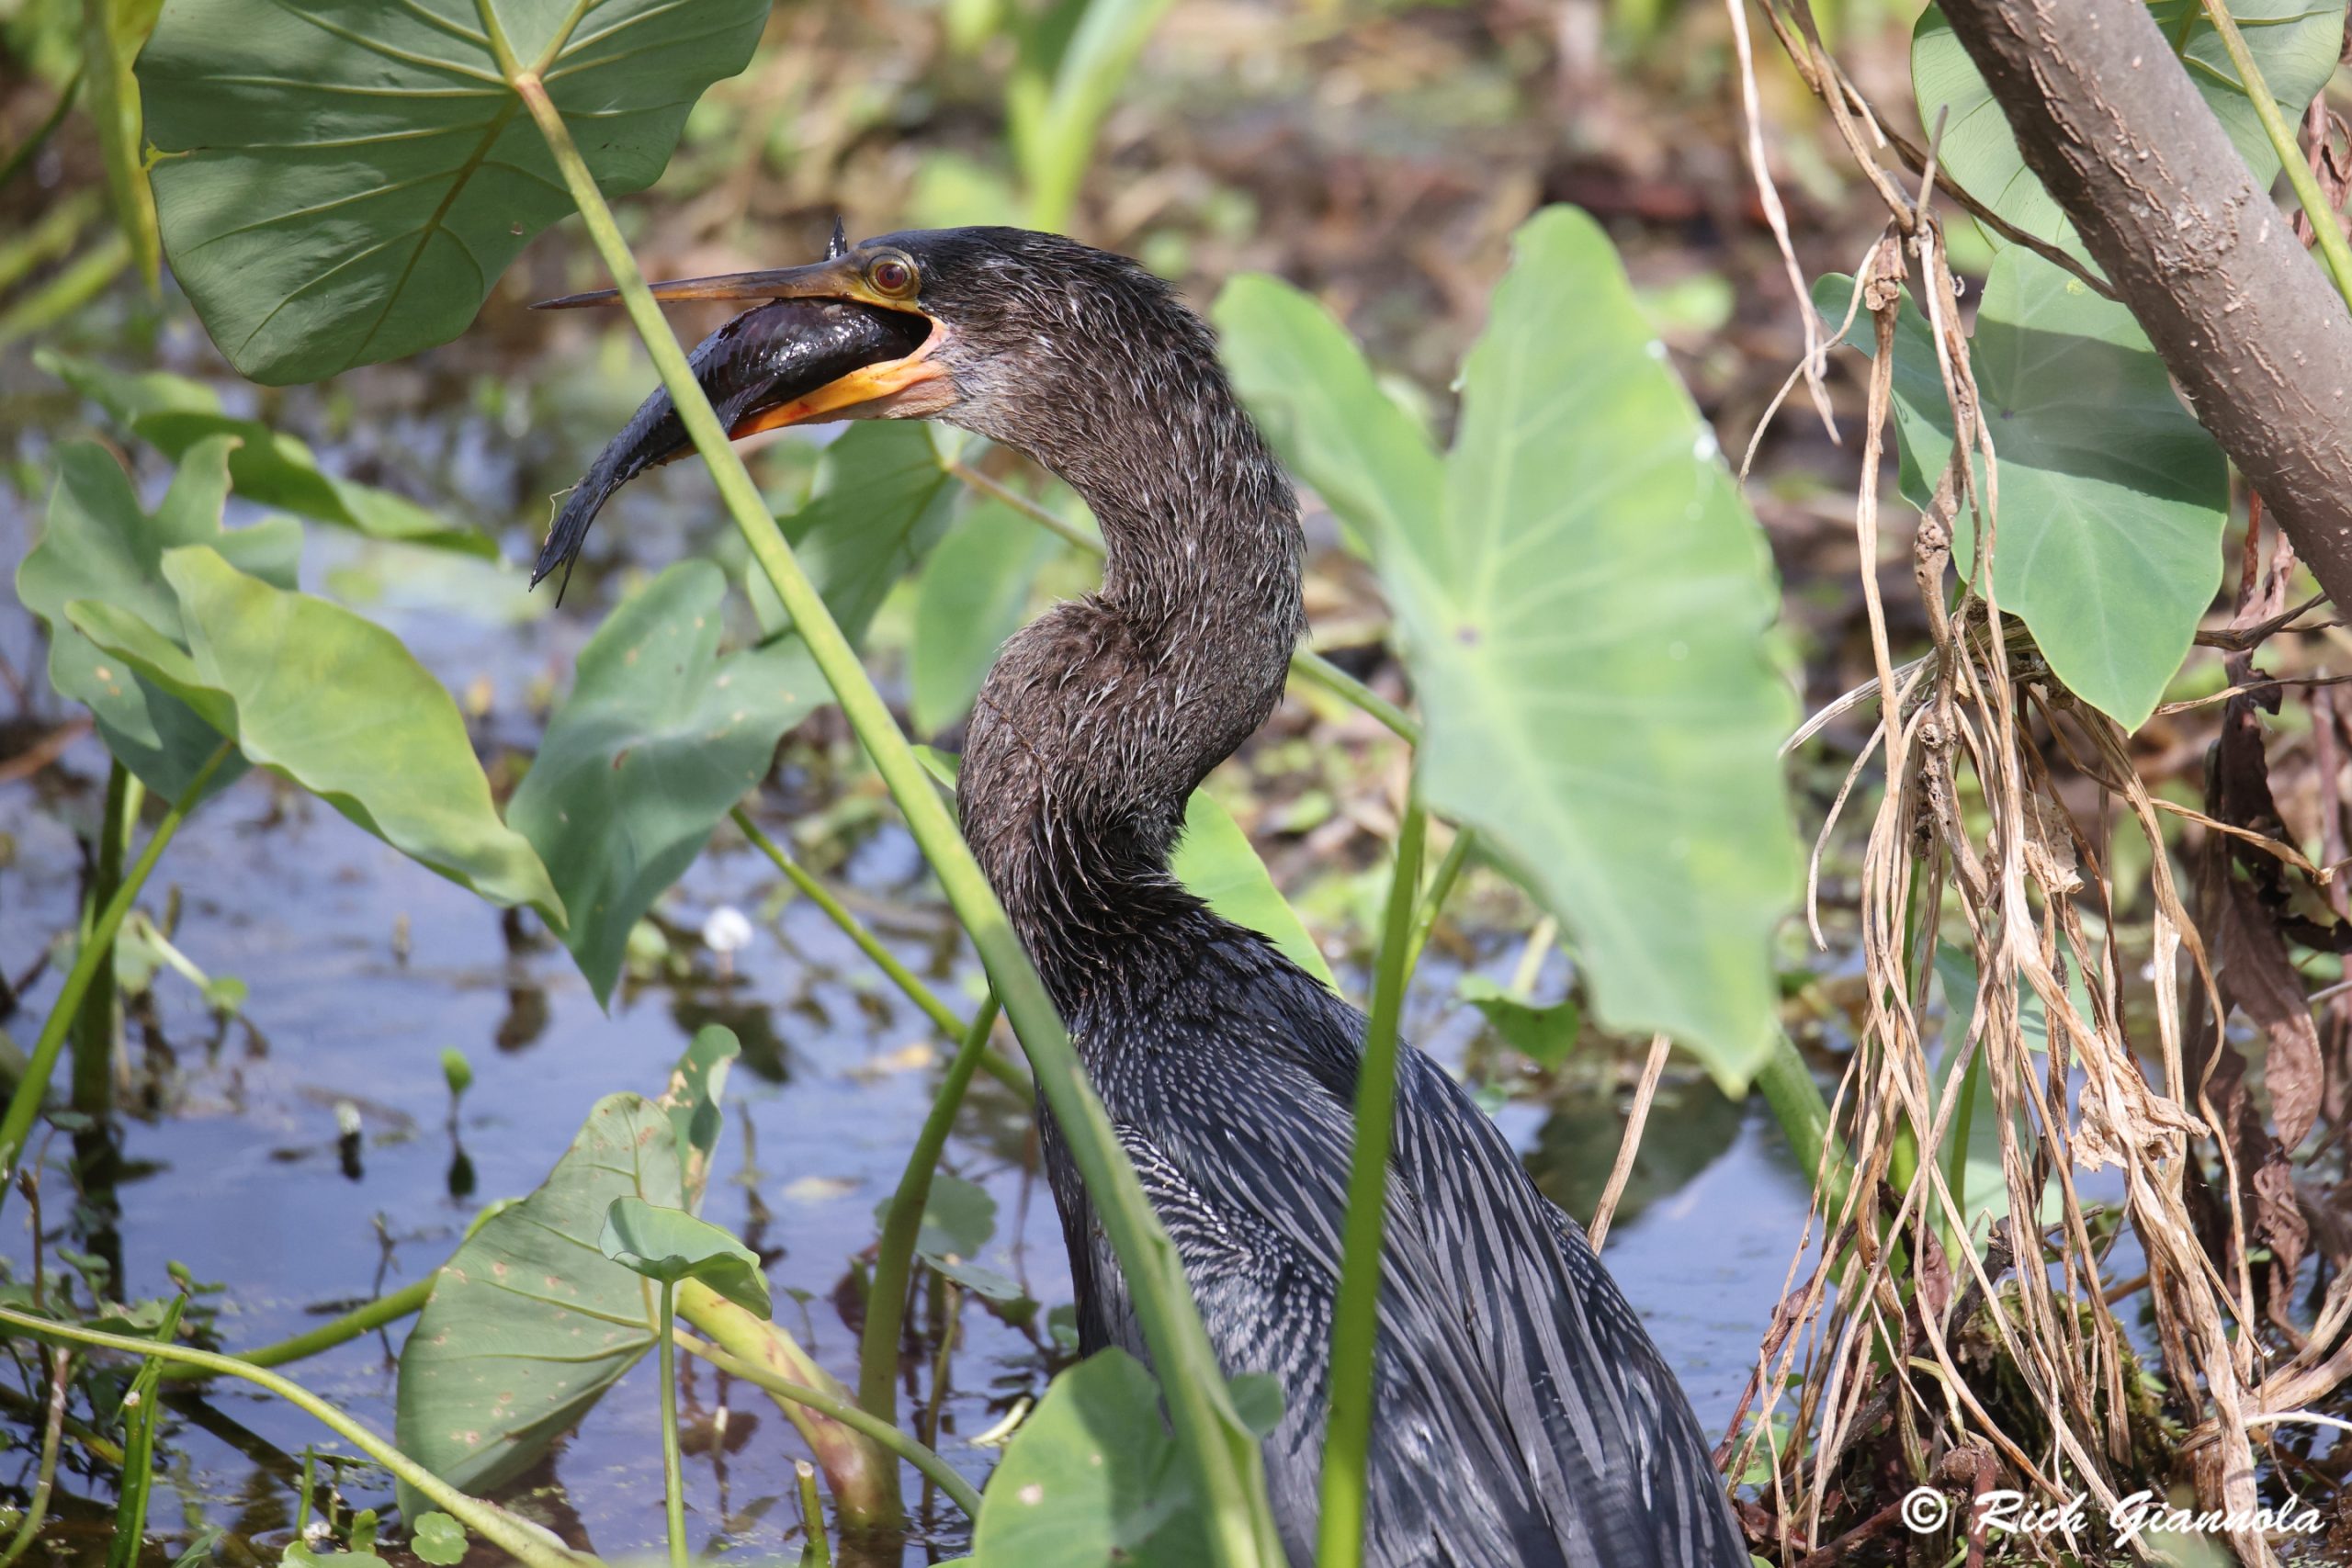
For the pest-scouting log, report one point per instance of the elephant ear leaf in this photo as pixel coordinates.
(660, 736)
(99, 545)
(334, 703)
(340, 183)
(1583, 617)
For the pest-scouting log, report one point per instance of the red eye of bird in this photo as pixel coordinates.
(892, 276)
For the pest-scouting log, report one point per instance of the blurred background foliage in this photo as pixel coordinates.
(1376, 154)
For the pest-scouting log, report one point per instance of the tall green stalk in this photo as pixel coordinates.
(23, 1105)
(2325, 223)
(1355, 1328)
(886, 1298)
(674, 1474)
(94, 1028)
(1228, 1470)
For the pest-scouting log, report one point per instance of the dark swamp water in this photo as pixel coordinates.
(362, 968)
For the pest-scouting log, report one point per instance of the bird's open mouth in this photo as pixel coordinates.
(826, 345)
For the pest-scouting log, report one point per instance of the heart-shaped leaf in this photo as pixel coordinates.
(342, 182)
(528, 1323)
(1583, 613)
(337, 704)
(99, 544)
(1093, 1477)
(667, 1245)
(2294, 41)
(2113, 499)
(659, 737)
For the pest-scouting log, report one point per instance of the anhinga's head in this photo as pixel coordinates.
(1079, 357)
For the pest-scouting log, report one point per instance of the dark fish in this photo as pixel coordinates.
(782, 350)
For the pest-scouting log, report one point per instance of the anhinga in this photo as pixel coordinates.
(1523, 1415)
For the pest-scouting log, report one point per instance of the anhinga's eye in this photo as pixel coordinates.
(893, 276)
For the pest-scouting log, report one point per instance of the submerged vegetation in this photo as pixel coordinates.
(2051, 1031)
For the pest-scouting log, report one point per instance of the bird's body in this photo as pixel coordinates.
(1522, 1416)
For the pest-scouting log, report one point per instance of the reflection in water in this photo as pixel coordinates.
(1691, 1127)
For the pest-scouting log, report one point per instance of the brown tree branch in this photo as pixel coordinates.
(2243, 316)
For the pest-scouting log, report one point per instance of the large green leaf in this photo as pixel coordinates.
(529, 1322)
(967, 600)
(1217, 861)
(1311, 392)
(99, 544)
(1092, 1478)
(658, 737)
(2294, 41)
(2113, 499)
(881, 500)
(1584, 617)
(173, 414)
(668, 1245)
(334, 703)
(343, 181)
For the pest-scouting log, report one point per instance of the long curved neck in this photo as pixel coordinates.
(1100, 719)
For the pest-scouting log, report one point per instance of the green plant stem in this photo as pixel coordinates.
(403, 1303)
(886, 1298)
(82, 281)
(23, 1105)
(812, 1517)
(1321, 672)
(31, 145)
(52, 1429)
(1794, 1099)
(2326, 225)
(1228, 1470)
(520, 1540)
(97, 1444)
(1432, 905)
(1053, 522)
(910, 984)
(138, 1449)
(1304, 662)
(881, 1432)
(1347, 1443)
(673, 1473)
(857, 1465)
(93, 1028)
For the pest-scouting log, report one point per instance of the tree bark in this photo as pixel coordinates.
(2244, 317)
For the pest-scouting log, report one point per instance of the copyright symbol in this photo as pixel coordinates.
(1926, 1510)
